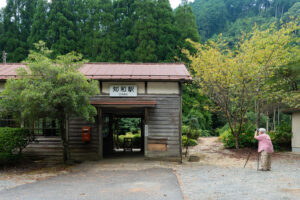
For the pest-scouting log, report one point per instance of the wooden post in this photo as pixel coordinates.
(111, 134)
(146, 132)
(100, 145)
(67, 137)
(180, 122)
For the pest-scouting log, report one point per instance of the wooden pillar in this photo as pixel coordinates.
(100, 136)
(142, 134)
(180, 122)
(111, 134)
(146, 133)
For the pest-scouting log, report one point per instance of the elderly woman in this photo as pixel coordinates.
(265, 148)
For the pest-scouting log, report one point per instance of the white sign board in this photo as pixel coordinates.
(146, 130)
(123, 91)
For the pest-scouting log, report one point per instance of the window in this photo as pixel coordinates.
(8, 122)
(46, 127)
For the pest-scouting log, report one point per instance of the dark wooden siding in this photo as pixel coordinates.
(164, 123)
(78, 149)
(45, 146)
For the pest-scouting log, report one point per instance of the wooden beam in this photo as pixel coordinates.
(100, 136)
(180, 122)
(146, 118)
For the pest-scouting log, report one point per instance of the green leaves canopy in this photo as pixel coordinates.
(49, 87)
(234, 78)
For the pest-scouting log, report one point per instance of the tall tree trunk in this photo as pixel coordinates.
(63, 133)
(267, 122)
(258, 115)
(236, 137)
(278, 116)
(274, 119)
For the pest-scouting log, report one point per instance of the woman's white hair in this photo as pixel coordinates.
(263, 130)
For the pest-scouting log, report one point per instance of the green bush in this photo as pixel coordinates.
(136, 139)
(245, 139)
(12, 142)
(281, 138)
(192, 142)
(194, 134)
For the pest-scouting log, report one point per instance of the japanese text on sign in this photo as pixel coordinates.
(123, 90)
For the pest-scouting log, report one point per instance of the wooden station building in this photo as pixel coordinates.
(151, 92)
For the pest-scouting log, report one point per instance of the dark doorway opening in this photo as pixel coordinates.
(123, 132)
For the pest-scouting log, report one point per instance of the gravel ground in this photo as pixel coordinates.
(217, 182)
(149, 184)
(218, 175)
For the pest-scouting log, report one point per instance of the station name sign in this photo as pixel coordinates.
(123, 91)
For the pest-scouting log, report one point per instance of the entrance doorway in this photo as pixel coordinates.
(123, 132)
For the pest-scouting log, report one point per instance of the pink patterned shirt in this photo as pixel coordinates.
(264, 143)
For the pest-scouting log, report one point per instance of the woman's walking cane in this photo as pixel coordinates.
(247, 158)
(257, 161)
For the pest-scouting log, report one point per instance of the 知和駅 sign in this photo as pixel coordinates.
(123, 91)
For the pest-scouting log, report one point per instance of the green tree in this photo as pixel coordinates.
(39, 26)
(145, 31)
(235, 78)
(61, 35)
(17, 20)
(167, 34)
(211, 17)
(293, 12)
(50, 88)
(185, 22)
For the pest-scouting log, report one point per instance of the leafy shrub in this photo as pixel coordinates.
(281, 138)
(194, 134)
(12, 142)
(245, 139)
(136, 139)
(205, 133)
(192, 142)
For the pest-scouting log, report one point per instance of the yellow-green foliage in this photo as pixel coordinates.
(136, 139)
(246, 139)
(234, 78)
(191, 142)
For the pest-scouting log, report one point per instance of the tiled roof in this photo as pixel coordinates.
(119, 71)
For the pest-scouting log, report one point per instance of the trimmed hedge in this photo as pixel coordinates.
(12, 142)
(136, 139)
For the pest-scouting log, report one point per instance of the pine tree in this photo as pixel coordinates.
(61, 28)
(186, 23)
(167, 35)
(39, 25)
(17, 20)
(124, 14)
(145, 31)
